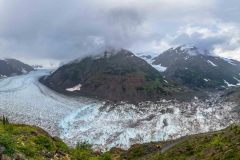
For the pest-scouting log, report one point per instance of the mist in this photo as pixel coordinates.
(51, 32)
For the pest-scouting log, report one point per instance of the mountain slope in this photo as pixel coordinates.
(9, 67)
(222, 144)
(191, 67)
(29, 142)
(116, 75)
(21, 142)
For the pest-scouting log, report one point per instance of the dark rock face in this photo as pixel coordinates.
(117, 75)
(9, 67)
(191, 68)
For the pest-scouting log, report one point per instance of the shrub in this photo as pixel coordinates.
(7, 142)
(84, 146)
(44, 142)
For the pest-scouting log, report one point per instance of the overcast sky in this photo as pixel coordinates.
(52, 31)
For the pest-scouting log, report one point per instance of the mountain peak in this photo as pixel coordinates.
(110, 51)
(111, 54)
(194, 68)
(186, 49)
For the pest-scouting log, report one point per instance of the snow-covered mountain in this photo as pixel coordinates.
(194, 68)
(9, 67)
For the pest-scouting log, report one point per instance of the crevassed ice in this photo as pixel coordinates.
(24, 100)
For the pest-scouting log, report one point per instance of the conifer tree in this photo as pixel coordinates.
(3, 120)
(6, 121)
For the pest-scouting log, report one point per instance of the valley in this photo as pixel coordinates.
(105, 125)
(119, 80)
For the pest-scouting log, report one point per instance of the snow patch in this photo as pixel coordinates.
(24, 71)
(206, 80)
(213, 64)
(238, 84)
(75, 88)
(189, 49)
(229, 84)
(159, 67)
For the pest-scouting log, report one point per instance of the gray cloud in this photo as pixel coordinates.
(196, 40)
(64, 30)
(228, 11)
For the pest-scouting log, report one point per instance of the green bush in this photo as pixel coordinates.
(81, 154)
(7, 142)
(84, 146)
(28, 150)
(44, 142)
(105, 156)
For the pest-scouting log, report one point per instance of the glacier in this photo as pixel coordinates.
(105, 125)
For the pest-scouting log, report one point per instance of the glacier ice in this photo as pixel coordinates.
(24, 100)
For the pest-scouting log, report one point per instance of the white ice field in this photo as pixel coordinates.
(24, 100)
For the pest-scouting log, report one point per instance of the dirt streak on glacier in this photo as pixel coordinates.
(24, 100)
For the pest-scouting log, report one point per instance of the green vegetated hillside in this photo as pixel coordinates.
(30, 142)
(220, 145)
(23, 142)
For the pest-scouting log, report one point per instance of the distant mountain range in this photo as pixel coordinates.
(119, 75)
(196, 69)
(10, 67)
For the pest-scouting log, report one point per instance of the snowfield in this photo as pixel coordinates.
(150, 61)
(213, 64)
(75, 88)
(24, 100)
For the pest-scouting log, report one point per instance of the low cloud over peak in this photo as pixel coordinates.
(63, 30)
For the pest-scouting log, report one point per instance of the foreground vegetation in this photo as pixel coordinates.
(220, 145)
(23, 142)
(30, 142)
